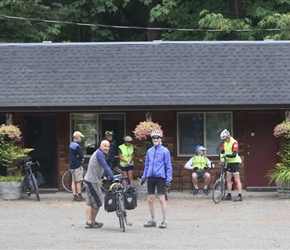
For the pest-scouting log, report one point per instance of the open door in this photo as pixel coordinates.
(40, 134)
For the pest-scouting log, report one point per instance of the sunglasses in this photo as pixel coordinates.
(155, 138)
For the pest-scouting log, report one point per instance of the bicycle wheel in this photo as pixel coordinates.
(217, 191)
(35, 186)
(66, 180)
(120, 211)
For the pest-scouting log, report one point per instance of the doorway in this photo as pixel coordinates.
(40, 134)
(260, 149)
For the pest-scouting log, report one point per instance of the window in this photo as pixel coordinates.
(201, 128)
(93, 127)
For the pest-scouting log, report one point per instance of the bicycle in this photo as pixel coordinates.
(219, 189)
(66, 180)
(30, 181)
(116, 194)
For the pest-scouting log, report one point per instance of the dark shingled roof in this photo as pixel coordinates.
(166, 75)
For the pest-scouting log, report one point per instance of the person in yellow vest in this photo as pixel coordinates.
(229, 151)
(126, 155)
(199, 164)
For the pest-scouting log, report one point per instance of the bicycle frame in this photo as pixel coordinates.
(29, 178)
(219, 189)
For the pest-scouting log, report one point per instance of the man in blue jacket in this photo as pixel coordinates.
(158, 172)
(76, 161)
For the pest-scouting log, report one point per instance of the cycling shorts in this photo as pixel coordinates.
(233, 168)
(126, 169)
(153, 182)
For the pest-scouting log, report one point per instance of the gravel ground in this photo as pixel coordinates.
(261, 221)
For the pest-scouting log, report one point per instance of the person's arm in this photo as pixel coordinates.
(146, 165)
(80, 153)
(188, 165)
(235, 149)
(168, 166)
(208, 163)
(101, 159)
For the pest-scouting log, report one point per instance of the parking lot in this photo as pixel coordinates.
(261, 221)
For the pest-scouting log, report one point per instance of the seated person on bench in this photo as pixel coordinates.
(199, 164)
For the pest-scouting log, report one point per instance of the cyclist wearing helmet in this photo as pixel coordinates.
(126, 155)
(158, 171)
(110, 157)
(199, 163)
(229, 151)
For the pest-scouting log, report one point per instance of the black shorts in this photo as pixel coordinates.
(200, 173)
(126, 169)
(233, 167)
(155, 182)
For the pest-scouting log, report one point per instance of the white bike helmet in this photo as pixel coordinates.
(156, 133)
(127, 138)
(224, 134)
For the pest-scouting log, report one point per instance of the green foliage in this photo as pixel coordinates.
(11, 155)
(223, 15)
(281, 172)
(11, 178)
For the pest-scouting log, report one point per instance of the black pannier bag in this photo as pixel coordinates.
(110, 204)
(130, 197)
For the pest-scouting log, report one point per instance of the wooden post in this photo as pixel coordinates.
(9, 119)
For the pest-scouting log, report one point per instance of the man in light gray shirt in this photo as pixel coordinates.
(93, 181)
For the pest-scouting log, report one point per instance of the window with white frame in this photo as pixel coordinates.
(93, 126)
(201, 128)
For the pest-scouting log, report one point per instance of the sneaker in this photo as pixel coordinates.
(163, 225)
(205, 191)
(238, 198)
(150, 224)
(81, 198)
(95, 225)
(195, 191)
(227, 198)
(75, 198)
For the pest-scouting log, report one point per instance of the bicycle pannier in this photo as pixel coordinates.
(130, 197)
(110, 202)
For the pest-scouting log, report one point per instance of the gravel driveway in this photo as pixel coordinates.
(261, 221)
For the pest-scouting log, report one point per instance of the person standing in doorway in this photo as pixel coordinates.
(76, 161)
(126, 155)
(229, 151)
(93, 180)
(158, 172)
(110, 157)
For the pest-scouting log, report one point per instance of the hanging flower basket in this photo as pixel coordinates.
(282, 130)
(144, 129)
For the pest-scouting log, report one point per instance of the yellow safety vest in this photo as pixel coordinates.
(228, 147)
(199, 162)
(127, 152)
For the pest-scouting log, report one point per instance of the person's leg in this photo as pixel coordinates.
(194, 179)
(78, 175)
(124, 181)
(161, 198)
(206, 182)
(238, 181)
(73, 186)
(92, 205)
(206, 179)
(150, 192)
(131, 177)
(91, 214)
